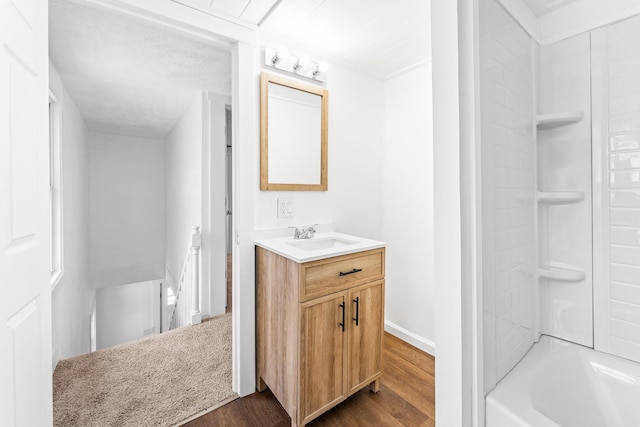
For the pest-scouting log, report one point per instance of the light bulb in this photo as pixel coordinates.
(280, 55)
(301, 62)
(321, 68)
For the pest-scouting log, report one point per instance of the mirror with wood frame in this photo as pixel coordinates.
(293, 135)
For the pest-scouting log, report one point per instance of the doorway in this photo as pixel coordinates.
(229, 201)
(106, 61)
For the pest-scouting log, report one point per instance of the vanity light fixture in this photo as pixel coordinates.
(299, 65)
(320, 69)
(279, 55)
(302, 62)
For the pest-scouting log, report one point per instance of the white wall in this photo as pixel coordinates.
(127, 313)
(72, 298)
(126, 209)
(408, 207)
(353, 201)
(183, 187)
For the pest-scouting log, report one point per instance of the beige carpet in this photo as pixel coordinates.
(158, 381)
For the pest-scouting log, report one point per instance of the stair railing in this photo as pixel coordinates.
(186, 309)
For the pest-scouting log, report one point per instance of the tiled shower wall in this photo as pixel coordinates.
(616, 139)
(508, 191)
(565, 308)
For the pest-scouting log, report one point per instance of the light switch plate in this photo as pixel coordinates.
(285, 208)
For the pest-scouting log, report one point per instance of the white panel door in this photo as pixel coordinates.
(25, 294)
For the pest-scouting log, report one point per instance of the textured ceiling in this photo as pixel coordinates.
(379, 37)
(128, 76)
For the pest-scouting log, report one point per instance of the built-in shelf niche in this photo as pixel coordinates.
(554, 120)
(560, 196)
(561, 273)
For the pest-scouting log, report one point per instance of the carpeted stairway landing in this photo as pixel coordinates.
(162, 380)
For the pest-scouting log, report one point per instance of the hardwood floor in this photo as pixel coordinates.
(229, 282)
(406, 398)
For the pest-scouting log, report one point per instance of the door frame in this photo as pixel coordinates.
(242, 39)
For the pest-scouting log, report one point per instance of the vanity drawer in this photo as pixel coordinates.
(330, 275)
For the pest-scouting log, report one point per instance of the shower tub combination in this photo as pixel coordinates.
(564, 384)
(560, 177)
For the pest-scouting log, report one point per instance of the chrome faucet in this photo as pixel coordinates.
(305, 233)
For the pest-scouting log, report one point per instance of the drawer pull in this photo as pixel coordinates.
(355, 270)
(357, 318)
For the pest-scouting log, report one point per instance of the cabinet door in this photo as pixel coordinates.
(366, 304)
(322, 354)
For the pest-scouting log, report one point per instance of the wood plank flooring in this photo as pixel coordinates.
(229, 282)
(406, 398)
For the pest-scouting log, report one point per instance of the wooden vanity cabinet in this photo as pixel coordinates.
(319, 332)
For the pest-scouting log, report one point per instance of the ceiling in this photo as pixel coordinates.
(541, 7)
(131, 77)
(379, 37)
(246, 11)
(128, 76)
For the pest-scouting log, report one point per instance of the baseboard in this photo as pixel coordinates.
(423, 344)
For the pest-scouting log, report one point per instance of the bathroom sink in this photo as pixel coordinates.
(323, 243)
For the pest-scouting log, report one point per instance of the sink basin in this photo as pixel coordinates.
(323, 243)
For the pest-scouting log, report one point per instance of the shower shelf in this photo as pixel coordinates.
(554, 120)
(560, 197)
(562, 274)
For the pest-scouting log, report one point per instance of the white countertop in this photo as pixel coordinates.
(285, 246)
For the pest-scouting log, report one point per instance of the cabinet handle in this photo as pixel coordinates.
(342, 324)
(357, 301)
(355, 270)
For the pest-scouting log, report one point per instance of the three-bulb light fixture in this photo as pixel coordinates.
(300, 65)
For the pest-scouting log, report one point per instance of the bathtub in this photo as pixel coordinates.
(563, 384)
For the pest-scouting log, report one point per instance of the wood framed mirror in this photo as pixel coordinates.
(293, 135)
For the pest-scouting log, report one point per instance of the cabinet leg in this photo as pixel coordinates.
(375, 386)
(262, 386)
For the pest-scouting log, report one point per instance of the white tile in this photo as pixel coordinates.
(502, 220)
(625, 198)
(624, 217)
(624, 255)
(624, 292)
(623, 67)
(503, 261)
(502, 281)
(626, 103)
(626, 121)
(624, 236)
(624, 274)
(623, 142)
(503, 304)
(625, 330)
(625, 160)
(502, 241)
(625, 311)
(624, 179)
